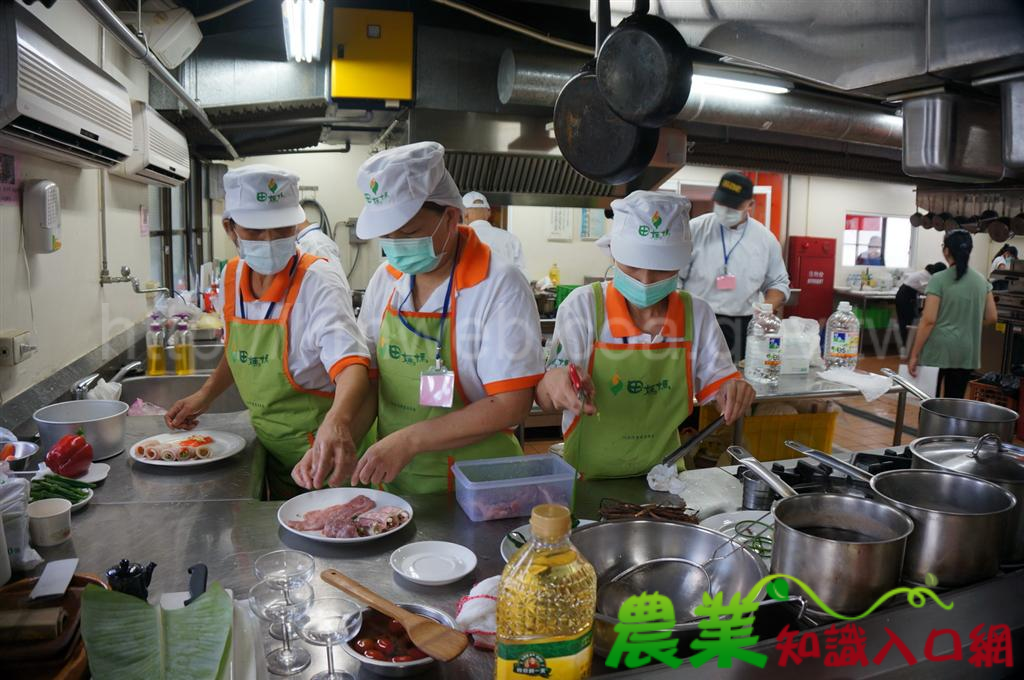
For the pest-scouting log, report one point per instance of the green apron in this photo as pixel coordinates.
(643, 393)
(284, 415)
(402, 356)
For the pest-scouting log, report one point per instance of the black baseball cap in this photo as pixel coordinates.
(733, 189)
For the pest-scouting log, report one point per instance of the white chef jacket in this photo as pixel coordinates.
(497, 328)
(917, 280)
(1001, 260)
(314, 241)
(503, 244)
(573, 339)
(756, 262)
(323, 337)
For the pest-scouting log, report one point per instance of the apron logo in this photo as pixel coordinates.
(375, 198)
(617, 384)
(243, 357)
(273, 196)
(396, 353)
(640, 387)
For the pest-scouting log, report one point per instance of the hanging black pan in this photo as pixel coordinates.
(644, 69)
(598, 143)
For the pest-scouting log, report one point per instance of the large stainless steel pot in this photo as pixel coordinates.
(988, 459)
(670, 558)
(959, 521)
(959, 416)
(101, 421)
(848, 550)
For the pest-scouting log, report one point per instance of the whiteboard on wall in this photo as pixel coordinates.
(563, 224)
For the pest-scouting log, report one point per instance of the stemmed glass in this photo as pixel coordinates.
(274, 605)
(331, 621)
(284, 570)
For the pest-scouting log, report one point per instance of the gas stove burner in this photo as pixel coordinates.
(813, 477)
(891, 459)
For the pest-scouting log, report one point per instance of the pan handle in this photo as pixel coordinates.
(906, 384)
(831, 461)
(754, 465)
(604, 23)
(694, 441)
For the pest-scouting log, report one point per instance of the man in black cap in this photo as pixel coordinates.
(736, 260)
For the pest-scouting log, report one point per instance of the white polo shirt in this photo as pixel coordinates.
(755, 259)
(323, 337)
(503, 244)
(315, 242)
(497, 328)
(573, 339)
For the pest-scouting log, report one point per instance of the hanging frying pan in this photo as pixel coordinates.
(644, 69)
(598, 143)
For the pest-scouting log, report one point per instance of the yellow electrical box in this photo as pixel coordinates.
(372, 54)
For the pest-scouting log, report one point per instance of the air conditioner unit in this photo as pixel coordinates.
(160, 153)
(53, 101)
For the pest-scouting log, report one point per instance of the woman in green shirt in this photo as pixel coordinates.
(959, 301)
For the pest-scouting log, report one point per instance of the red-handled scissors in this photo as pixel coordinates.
(577, 384)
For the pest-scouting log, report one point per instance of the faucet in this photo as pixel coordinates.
(130, 367)
(84, 385)
(126, 277)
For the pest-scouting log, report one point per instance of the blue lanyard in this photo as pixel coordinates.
(270, 308)
(727, 255)
(439, 341)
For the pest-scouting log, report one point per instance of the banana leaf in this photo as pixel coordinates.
(128, 639)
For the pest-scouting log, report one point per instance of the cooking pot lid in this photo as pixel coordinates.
(954, 453)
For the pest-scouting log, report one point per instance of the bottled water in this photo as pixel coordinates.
(842, 338)
(764, 346)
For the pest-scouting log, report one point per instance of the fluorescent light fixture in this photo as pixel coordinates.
(744, 82)
(303, 28)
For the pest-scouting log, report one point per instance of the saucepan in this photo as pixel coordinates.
(101, 422)
(959, 521)
(987, 458)
(848, 550)
(959, 416)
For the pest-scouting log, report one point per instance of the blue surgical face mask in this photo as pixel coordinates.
(643, 295)
(413, 255)
(267, 257)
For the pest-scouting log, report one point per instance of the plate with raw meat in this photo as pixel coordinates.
(344, 515)
(184, 449)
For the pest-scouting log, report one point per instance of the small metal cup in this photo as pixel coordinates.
(757, 495)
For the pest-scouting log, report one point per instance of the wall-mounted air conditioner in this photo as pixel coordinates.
(160, 153)
(53, 101)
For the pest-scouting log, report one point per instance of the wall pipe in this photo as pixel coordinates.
(109, 20)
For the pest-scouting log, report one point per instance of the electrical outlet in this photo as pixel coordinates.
(16, 346)
(350, 224)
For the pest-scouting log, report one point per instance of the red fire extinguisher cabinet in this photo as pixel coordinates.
(812, 267)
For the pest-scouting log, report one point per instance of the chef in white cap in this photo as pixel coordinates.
(293, 348)
(644, 349)
(455, 331)
(309, 237)
(476, 212)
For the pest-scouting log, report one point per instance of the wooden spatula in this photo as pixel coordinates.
(432, 638)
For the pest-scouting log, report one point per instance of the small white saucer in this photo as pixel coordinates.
(433, 563)
(96, 474)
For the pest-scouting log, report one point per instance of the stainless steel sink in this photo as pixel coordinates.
(164, 390)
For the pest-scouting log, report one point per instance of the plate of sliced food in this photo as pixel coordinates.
(179, 449)
(344, 515)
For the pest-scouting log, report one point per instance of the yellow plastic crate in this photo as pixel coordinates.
(763, 436)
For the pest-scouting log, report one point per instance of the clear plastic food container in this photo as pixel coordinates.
(497, 488)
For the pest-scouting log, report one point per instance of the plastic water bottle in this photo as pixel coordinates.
(764, 346)
(842, 338)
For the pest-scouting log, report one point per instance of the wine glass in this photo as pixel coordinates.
(331, 621)
(274, 605)
(284, 570)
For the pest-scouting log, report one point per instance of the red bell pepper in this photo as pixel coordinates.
(71, 456)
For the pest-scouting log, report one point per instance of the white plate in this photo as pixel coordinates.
(225, 445)
(433, 563)
(97, 473)
(295, 508)
(84, 502)
(508, 548)
(726, 523)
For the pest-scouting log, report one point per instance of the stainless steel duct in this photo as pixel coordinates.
(536, 80)
(109, 20)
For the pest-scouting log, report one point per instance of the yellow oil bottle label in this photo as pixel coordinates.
(558, 660)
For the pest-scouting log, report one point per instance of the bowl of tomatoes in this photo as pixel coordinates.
(383, 646)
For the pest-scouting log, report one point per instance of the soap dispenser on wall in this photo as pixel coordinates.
(40, 216)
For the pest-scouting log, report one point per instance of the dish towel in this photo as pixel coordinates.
(871, 385)
(476, 613)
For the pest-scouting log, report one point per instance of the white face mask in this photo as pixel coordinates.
(728, 217)
(267, 257)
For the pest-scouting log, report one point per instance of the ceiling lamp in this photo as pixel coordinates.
(303, 28)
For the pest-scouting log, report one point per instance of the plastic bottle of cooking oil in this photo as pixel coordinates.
(546, 602)
(184, 349)
(555, 274)
(156, 358)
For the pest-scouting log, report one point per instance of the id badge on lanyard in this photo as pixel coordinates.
(437, 386)
(725, 280)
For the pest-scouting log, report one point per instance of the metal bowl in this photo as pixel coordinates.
(102, 422)
(23, 454)
(654, 556)
(407, 668)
